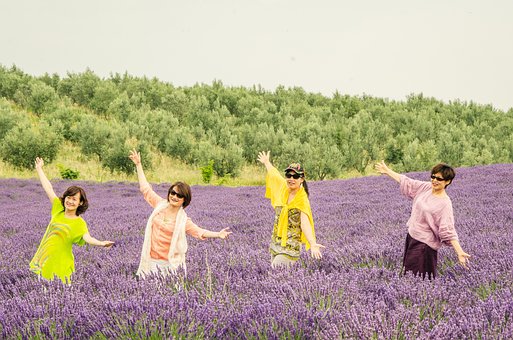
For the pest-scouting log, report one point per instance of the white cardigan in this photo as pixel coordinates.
(177, 248)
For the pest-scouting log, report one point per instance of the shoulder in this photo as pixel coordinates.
(57, 206)
(57, 202)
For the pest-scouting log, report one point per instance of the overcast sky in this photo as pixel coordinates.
(447, 49)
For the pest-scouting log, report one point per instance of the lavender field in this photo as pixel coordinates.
(230, 291)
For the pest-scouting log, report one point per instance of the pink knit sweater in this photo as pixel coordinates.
(432, 219)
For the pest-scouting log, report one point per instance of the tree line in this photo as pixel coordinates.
(225, 127)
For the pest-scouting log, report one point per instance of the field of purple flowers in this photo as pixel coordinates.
(230, 291)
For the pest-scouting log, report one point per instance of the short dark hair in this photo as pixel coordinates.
(73, 190)
(185, 190)
(446, 170)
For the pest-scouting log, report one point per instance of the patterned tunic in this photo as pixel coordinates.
(293, 247)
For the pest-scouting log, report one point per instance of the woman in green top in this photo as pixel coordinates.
(54, 255)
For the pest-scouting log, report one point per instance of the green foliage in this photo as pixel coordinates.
(177, 143)
(207, 172)
(104, 94)
(9, 118)
(116, 151)
(322, 159)
(95, 136)
(227, 161)
(11, 80)
(230, 125)
(23, 143)
(67, 173)
(80, 87)
(37, 97)
(66, 121)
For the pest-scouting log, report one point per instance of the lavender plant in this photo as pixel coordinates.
(230, 290)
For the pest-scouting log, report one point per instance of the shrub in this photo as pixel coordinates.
(207, 171)
(25, 142)
(115, 154)
(67, 173)
(9, 118)
(227, 160)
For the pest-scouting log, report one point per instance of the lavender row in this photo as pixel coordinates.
(230, 291)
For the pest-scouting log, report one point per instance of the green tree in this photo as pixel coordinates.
(23, 143)
(104, 94)
(95, 134)
(80, 87)
(9, 118)
(227, 161)
(323, 159)
(11, 80)
(116, 151)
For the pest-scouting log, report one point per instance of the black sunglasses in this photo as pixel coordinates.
(439, 179)
(174, 193)
(295, 176)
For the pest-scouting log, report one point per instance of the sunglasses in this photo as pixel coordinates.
(174, 193)
(439, 179)
(290, 175)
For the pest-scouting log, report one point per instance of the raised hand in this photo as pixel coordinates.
(135, 157)
(264, 157)
(39, 163)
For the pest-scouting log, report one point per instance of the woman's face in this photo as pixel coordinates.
(176, 198)
(294, 180)
(71, 203)
(438, 182)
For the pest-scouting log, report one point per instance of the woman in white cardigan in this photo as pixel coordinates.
(165, 243)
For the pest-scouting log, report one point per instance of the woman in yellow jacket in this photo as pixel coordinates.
(293, 222)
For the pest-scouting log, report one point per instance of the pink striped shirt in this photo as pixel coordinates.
(432, 218)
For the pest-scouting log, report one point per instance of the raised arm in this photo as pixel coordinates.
(92, 241)
(47, 186)
(306, 228)
(265, 159)
(383, 169)
(136, 158)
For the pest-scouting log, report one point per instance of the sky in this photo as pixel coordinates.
(446, 49)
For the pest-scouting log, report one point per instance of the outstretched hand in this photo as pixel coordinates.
(382, 168)
(135, 156)
(264, 157)
(107, 244)
(315, 250)
(463, 259)
(222, 234)
(39, 163)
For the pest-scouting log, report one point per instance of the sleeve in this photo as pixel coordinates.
(57, 206)
(411, 187)
(446, 230)
(274, 184)
(83, 230)
(150, 196)
(192, 229)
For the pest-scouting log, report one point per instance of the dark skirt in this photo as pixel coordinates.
(419, 258)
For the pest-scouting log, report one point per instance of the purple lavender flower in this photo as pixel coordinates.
(230, 290)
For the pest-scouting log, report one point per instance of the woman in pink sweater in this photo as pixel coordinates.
(431, 223)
